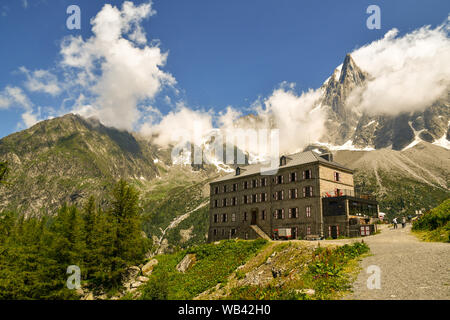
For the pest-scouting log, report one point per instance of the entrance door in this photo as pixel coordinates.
(254, 216)
(334, 232)
(294, 232)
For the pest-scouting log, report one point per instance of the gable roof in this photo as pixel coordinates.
(292, 160)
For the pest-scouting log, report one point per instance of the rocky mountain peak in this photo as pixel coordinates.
(347, 125)
(351, 73)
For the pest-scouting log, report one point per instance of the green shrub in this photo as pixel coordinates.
(435, 218)
(157, 288)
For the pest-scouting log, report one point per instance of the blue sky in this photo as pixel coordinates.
(220, 52)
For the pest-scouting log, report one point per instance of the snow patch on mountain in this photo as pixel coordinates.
(346, 146)
(442, 142)
(416, 137)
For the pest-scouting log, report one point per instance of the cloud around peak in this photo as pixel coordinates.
(408, 73)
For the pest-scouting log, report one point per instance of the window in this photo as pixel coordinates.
(307, 192)
(216, 218)
(307, 174)
(215, 232)
(293, 194)
(254, 183)
(336, 176)
(279, 195)
(238, 171)
(233, 217)
(245, 184)
(235, 186)
(233, 201)
(254, 198)
(279, 214)
(263, 182)
(263, 215)
(308, 211)
(216, 203)
(280, 179)
(216, 190)
(223, 232)
(263, 197)
(245, 199)
(233, 232)
(224, 217)
(308, 230)
(224, 202)
(245, 216)
(224, 188)
(282, 161)
(293, 213)
(337, 192)
(293, 177)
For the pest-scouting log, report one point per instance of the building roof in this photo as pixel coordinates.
(292, 160)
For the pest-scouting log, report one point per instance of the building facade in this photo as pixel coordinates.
(248, 204)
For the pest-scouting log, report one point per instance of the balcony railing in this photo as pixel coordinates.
(348, 192)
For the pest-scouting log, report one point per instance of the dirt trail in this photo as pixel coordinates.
(410, 268)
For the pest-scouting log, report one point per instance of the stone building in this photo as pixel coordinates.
(310, 195)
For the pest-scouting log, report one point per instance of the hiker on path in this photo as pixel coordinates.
(403, 222)
(394, 221)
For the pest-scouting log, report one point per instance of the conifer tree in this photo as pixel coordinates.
(3, 172)
(129, 245)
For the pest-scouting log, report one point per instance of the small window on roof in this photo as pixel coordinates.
(282, 161)
(238, 171)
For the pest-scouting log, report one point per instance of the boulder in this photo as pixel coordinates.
(186, 263)
(308, 292)
(89, 296)
(135, 284)
(142, 279)
(133, 272)
(148, 267)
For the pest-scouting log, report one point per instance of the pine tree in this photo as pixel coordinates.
(3, 172)
(129, 245)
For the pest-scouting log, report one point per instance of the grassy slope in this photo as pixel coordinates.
(435, 224)
(214, 263)
(215, 274)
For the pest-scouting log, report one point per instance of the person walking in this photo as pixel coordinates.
(403, 222)
(394, 221)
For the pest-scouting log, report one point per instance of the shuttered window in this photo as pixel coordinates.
(308, 211)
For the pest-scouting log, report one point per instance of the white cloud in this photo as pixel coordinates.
(408, 73)
(180, 125)
(117, 65)
(15, 97)
(41, 81)
(29, 119)
(299, 119)
(25, 4)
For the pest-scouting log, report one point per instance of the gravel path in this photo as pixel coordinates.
(410, 269)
